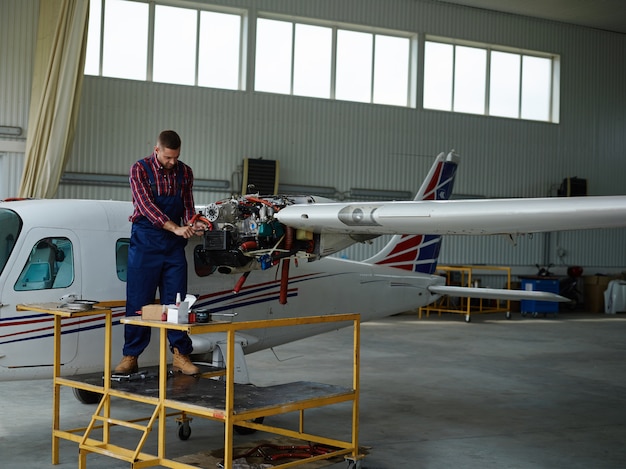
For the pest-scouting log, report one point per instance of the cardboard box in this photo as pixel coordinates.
(153, 312)
(595, 286)
(180, 314)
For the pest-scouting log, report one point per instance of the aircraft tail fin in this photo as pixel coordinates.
(419, 253)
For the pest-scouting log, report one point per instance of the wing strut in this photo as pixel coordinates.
(284, 281)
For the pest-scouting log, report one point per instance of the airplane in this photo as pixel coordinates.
(262, 257)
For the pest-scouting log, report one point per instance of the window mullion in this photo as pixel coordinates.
(521, 86)
(453, 81)
(101, 52)
(197, 64)
(293, 56)
(372, 68)
(415, 89)
(333, 64)
(487, 82)
(151, 32)
(247, 42)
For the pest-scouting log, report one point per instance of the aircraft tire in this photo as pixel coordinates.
(87, 397)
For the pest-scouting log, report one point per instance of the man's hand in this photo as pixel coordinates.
(200, 224)
(183, 231)
(199, 228)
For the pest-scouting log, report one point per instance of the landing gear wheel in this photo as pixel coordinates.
(87, 397)
(184, 430)
(245, 430)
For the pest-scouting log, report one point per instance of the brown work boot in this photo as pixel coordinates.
(183, 364)
(127, 366)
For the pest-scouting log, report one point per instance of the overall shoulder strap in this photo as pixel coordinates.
(180, 170)
(148, 169)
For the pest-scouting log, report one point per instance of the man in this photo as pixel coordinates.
(163, 203)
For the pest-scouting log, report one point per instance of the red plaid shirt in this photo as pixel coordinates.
(166, 184)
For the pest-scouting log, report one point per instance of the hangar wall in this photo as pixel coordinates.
(346, 145)
(18, 33)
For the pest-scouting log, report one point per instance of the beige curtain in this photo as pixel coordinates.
(55, 96)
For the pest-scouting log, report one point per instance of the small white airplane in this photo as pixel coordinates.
(263, 257)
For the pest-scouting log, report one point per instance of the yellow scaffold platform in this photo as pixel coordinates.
(465, 276)
(185, 396)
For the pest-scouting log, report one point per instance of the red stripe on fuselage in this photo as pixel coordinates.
(78, 321)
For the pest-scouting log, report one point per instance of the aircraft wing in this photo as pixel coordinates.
(471, 217)
(496, 293)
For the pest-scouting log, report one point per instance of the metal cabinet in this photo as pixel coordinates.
(545, 284)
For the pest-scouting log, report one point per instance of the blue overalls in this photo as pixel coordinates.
(156, 258)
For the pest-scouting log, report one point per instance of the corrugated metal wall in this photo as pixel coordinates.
(18, 33)
(346, 145)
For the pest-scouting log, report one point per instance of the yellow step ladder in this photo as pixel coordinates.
(104, 446)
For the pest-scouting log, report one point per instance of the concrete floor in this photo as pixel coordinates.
(435, 393)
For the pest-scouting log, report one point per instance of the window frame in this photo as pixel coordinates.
(192, 6)
(122, 246)
(56, 258)
(554, 80)
(412, 37)
(415, 65)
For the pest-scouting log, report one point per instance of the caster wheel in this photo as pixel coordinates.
(508, 315)
(184, 431)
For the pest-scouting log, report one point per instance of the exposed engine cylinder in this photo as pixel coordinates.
(244, 231)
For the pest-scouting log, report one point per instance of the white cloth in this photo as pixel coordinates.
(615, 297)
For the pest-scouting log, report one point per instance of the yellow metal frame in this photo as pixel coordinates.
(464, 305)
(57, 381)
(101, 418)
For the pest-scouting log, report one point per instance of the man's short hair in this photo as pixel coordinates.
(169, 139)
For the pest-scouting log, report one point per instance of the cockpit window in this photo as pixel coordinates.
(10, 227)
(50, 265)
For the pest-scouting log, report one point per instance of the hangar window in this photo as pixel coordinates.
(325, 61)
(125, 40)
(140, 41)
(478, 79)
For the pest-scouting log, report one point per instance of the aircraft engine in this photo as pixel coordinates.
(244, 235)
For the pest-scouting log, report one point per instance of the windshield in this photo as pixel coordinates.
(10, 226)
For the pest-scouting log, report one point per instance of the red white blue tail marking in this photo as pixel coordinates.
(419, 253)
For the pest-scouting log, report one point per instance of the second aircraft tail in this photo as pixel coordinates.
(419, 253)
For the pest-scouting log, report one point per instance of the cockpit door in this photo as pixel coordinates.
(44, 267)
